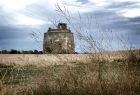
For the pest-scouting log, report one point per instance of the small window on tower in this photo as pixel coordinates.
(51, 41)
(59, 47)
(60, 26)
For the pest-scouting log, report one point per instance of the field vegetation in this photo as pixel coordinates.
(72, 77)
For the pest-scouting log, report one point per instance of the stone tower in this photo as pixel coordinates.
(59, 40)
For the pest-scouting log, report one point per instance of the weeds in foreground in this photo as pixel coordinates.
(77, 78)
(83, 79)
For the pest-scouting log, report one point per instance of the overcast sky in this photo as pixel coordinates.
(19, 17)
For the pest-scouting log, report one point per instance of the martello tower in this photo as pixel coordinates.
(60, 40)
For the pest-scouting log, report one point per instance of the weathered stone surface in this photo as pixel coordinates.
(59, 40)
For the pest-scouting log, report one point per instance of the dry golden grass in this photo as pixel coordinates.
(49, 59)
(70, 74)
(42, 59)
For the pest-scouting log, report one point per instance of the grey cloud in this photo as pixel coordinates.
(135, 19)
(2, 16)
(129, 23)
(134, 25)
(120, 5)
(21, 44)
(13, 37)
(6, 18)
(108, 19)
(37, 11)
(20, 31)
(83, 1)
(13, 32)
(102, 17)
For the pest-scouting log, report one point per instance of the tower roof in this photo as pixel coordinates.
(61, 27)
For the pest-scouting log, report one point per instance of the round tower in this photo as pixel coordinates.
(59, 41)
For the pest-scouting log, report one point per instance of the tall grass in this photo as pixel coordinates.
(85, 79)
(73, 78)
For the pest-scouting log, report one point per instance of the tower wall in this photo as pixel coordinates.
(58, 41)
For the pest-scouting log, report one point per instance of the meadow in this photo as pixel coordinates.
(106, 73)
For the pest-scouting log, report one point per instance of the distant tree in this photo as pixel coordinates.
(40, 52)
(35, 51)
(76, 53)
(30, 52)
(4, 51)
(13, 51)
(26, 52)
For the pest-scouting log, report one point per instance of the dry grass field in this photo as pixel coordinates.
(42, 59)
(49, 59)
(106, 73)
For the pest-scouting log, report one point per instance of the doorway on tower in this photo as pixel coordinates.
(48, 50)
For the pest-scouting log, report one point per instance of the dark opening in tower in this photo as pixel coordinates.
(62, 26)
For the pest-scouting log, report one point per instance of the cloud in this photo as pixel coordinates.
(36, 11)
(16, 26)
(83, 1)
(120, 5)
(13, 37)
(6, 18)
(12, 5)
(131, 13)
(22, 19)
(13, 32)
(126, 9)
(128, 0)
(100, 3)
(22, 44)
(118, 24)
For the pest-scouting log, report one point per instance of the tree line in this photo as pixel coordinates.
(13, 51)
